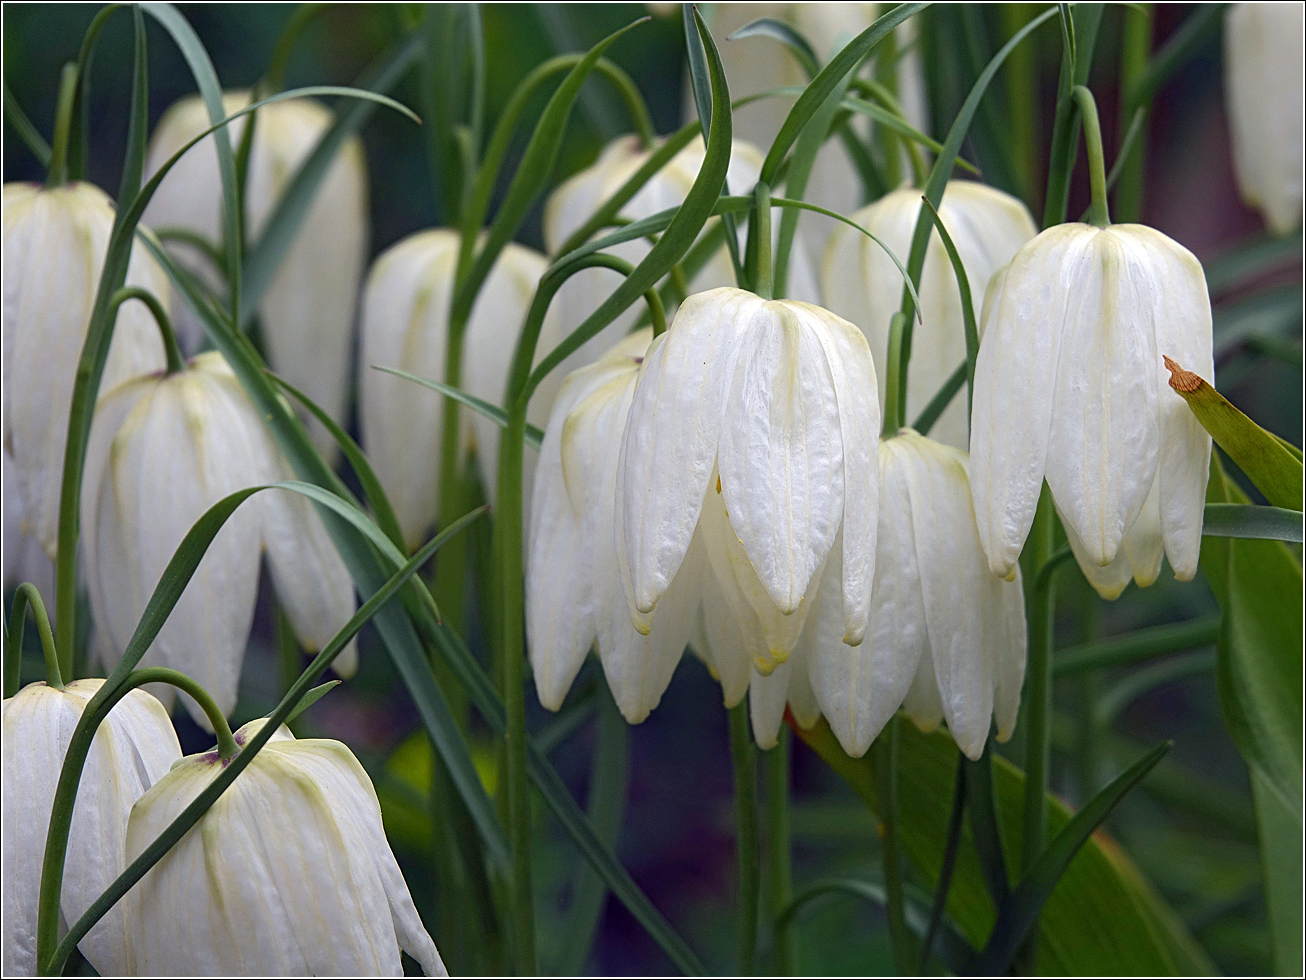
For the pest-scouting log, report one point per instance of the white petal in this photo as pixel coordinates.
(1142, 545)
(767, 695)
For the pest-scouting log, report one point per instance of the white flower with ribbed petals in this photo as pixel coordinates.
(406, 326)
(162, 451)
(288, 873)
(574, 595)
(860, 282)
(132, 749)
(1070, 385)
(754, 425)
(306, 314)
(946, 636)
(1263, 83)
(55, 241)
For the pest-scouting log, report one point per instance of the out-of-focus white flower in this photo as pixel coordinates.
(757, 64)
(406, 326)
(861, 283)
(946, 634)
(307, 312)
(1070, 385)
(574, 596)
(162, 451)
(132, 749)
(24, 558)
(575, 202)
(55, 240)
(1263, 80)
(754, 425)
(289, 872)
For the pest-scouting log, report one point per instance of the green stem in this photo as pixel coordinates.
(227, 747)
(287, 651)
(761, 271)
(57, 175)
(895, 381)
(176, 362)
(1093, 141)
(27, 595)
(1038, 728)
(1135, 47)
(743, 755)
(779, 877)
(885, 771)
(1022, 99)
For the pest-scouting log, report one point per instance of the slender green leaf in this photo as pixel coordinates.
(955, 820)
(1276, 472)
(967, 303)
(1120, 651)
(1252, 521)
(292, 207)
(1133, 930)
(534, 434)
(984, 825)
(1020, 912)
(942, 399)
(372, 489)
(1250, 259)
(311, 698)
(778, 30)
(1200, 28)
(1129, 689)
(23, 127)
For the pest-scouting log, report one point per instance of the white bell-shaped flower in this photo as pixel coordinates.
(288, 873)
(406, 326)
(55, 240)
(758, 64)
(132, 749)
(574, 574)
(307, 311)
(947, 636)
(576, 200)
(862, 284)
(753, 425)
(1263, 81)
(24, 558)
(162, 451)
(1070, 385)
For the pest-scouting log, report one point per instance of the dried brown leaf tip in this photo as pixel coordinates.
(1181, 381)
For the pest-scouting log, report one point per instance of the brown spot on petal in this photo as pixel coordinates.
(1181, 380)
(718, 483)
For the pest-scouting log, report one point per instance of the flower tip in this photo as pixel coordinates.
(853, 637)
(1181, 381)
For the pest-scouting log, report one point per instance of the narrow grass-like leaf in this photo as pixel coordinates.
(285, 710)
(372, 489)
(1120, 651)
(1020, 911)
(955, 819)
(967, 303)
(1276, 472)
(292, 207)
(311, 698)
(1133, 686)
(1250, 259)
(895, 122)
(825, 81)
(1269, 313)
(1252, 521)
(778, 30)
(1201, 27)
(138, 125)
(981, 806)
(942, 399)
(534, 434)
(22, 126)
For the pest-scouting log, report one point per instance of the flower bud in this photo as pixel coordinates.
(55, 241)
(132, 749)
(288, 873)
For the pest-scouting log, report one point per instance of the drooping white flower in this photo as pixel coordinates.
(753, 425)
(862, 284)
(579, 197)
(24, 558)
(307, 312)
(131, 750)
(288, 873)
(406, 326)
(1263, 81)
(946, 634)
(574, 595)
(164, 449)
(1070, 385)
(758, 64)
(55, 240)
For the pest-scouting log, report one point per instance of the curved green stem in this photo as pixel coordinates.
(227, 747)
(57, 175)
(1135, 47)
(175, 361)
(895, 380)
(27, 595)
(744, 757)
(761, 238)
(78, 145)
(1093, 140)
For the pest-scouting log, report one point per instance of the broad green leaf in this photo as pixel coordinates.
(1274, 470)
(1101, 919)
(1280, 832)
(1252, 521)
(1259, 671)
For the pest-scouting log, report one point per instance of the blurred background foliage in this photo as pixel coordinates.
(1190, 827)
